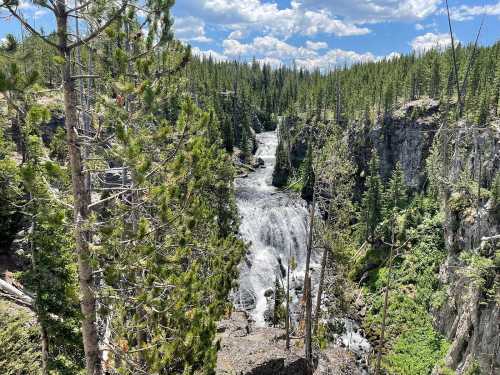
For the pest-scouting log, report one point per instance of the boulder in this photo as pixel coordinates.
(246, 350)
(258, 351)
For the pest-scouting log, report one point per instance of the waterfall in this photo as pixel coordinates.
(275, 225)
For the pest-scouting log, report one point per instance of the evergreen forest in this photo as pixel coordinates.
(165, 212)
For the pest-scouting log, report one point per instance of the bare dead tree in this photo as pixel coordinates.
(287, 321)
(317, 311)
(454, 57)
(308, 333)
(386, 298)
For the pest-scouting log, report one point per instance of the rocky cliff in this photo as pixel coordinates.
(246, 350)
(468, 312)
(469, 315)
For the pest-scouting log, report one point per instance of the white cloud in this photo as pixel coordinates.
(392, 55)
(39, 13)
(237, 35)
(466, 12)
(430, 41)
(209, 53)
(374, 11)
(419, 27)
(275, 63)
(316, 46)
(317, 22)
(191, 29)
(335, 58)
(266, 46)
(268, 17)
(276, 52)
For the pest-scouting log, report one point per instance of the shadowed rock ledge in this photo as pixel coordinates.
(261, 351)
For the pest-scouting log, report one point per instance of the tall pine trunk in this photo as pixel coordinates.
(317, 311)
(308, 333)
(81, 201)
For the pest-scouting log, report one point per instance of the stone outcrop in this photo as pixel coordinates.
(259, 351)
(405, 138)
(470, 314)
(246, 350)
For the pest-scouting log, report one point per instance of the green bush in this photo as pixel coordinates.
(20, 351)
(412, 346)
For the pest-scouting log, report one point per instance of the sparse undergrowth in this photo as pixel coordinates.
(412, 345)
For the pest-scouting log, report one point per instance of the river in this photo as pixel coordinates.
(275, 224)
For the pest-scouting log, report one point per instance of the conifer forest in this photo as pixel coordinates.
(165, 210)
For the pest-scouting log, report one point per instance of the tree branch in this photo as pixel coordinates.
(100, 29)
(27, 26)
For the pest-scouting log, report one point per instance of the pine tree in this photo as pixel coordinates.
(308, 176)
(435, 80)
(371, 205)
(281, 170)
(279, 295)
(395, 194)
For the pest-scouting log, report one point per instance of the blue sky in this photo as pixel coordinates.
(316, 33)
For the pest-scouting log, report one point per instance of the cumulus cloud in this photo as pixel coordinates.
(392, 55)
(275, 63)
(190, 29)
(466, 12)
(209, 54)
(269, 18)
(430, 41)
(334, 58)
(237, 35)
(267, 46)
(315, 46)
(311, 56)
(374, 11)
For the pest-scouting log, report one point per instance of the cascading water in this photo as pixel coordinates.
(275, 224)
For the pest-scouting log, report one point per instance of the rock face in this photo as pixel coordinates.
(405, 139)
(261, 351)
(470, 314)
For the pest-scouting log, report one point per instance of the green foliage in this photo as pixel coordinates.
(182, 253)
(20, 338)
(281, 172)
(478, 269)
(371, 204)
(473, 369)
(416, 352)
(395, 195)
(308, 175)
(279, 313)
(10, 194)
(412, 344)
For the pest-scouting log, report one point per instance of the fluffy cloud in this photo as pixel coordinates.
(335, 58)
(267, 17)
(191, 29)
(237, 34)
(275, 63)
(374, 11)
(316, 46)
(430, 41)
(466, 13)
(266, 46)
(276, 52)
(209, 53)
